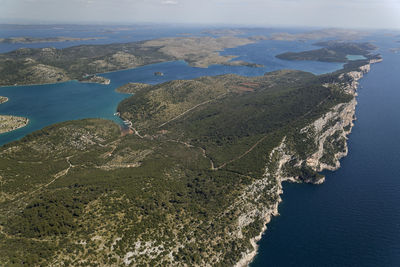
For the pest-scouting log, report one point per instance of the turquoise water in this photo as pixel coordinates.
(48, 104)
(353, 219)
(52, 103)
(355, 57)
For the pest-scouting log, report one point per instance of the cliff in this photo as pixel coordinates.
(327, 137)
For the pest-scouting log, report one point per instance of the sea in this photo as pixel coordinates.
(353, 219)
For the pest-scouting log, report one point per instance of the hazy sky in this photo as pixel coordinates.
(322, 13)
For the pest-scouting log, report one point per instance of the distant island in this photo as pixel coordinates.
(338, 34)
(332, 33)
(92, 78)
(31, 40)
(332, 51)
(10, 123)
(222, 32)
(50, 65)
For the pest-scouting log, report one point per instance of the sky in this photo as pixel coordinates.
(266, 13)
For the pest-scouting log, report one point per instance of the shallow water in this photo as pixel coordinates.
(355, 57)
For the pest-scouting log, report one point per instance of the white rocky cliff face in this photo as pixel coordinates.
(328, 134)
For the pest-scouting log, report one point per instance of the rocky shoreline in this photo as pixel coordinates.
(3, 99)
(95, 79)
(332, 128)
(10, 123)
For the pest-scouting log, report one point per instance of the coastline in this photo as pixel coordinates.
(3, 99)
(9, 122)
(210, 55)
(281, 155)
(38, 84)
(97, 74)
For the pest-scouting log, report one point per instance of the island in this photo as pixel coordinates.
(32, 40)
(94, 79)
(332, 33)
(224, 32)
(195, 182)
(332, 51)
(3, 99)
(10, 123)
(50, 65)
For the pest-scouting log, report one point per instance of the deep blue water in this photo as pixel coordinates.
(353, 219)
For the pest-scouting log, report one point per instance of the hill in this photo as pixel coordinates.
(195, 182)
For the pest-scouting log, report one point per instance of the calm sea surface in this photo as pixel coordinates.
(353, 219)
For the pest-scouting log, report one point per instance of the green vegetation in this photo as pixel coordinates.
(80, 193)
(131, 88)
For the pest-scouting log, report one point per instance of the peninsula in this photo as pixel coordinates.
(194, 184)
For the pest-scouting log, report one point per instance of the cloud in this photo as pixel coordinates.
(322, 13)
(169, 2)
